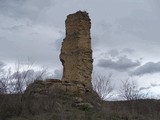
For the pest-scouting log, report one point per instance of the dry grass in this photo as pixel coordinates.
(61, 106)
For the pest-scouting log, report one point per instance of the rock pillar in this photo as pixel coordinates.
(76, 52)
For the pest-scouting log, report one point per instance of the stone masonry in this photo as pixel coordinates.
(76, 52)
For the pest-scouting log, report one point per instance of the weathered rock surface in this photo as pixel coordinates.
(49, 86)
(76, 57)
(53, 95)
(76, 53)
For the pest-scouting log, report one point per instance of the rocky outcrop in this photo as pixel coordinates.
(46, 95)
(76, 53)
(49, 86)
(76, 57)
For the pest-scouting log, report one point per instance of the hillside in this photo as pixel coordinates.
(41, 104)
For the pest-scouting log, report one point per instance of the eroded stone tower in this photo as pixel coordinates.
(76, 52)
(76, 57)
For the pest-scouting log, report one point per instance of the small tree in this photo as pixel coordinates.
(102, 85)
(130, 91)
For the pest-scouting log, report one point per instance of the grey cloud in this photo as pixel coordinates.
(155, 85)
(128, 50)
(21, 42)
(13, 28)
(148, 68)
(118, 52)
(104, 26)
(95, 42)
(155, 5)
(122, 64)
(150, 86)
(58, 43)
(143, 24)
(116, 30)
(22, 35)
(145, 88)
(29, 9)
(113, 52)
(2, 64)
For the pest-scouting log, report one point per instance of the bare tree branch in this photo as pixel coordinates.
(130, 91)
(17, 79)
(102, 85)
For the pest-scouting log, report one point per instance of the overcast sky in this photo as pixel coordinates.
(125, 36)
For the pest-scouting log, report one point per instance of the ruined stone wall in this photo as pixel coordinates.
(76, 53)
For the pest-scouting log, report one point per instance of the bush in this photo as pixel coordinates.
(10, 106)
